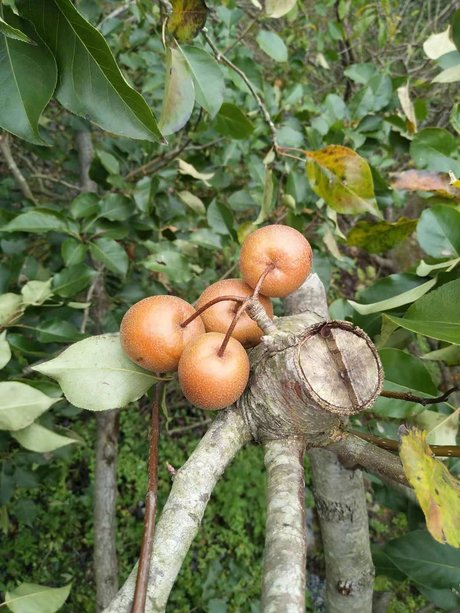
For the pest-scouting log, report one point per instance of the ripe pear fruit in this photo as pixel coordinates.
(210, 381)
(283, 247)
(218, 317)
(151, 334)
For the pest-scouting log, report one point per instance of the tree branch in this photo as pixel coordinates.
(220, 57)
(341, 505)
(105, 486)
(445, 451)
(13, 167)
(419, 399)
(105, 481)
(285, 536)
(184, 509)
(354, 452)
(340, 500)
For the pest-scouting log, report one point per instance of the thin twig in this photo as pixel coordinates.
(13, 167)
(418, 399)
(444, 451)
(89, 295)
(162, 160)
(241, 36)
(140, 592)
(220, 57)
(115, 13)
(54, 180)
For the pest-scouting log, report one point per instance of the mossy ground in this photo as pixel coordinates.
(50, 522)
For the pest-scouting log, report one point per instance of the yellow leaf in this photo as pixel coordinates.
(437, 491)
(187, 19)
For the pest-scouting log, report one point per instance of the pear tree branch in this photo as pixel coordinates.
(285, 551)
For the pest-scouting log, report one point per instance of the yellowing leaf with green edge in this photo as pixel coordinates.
(187, 19)
(380, 236)
(437, 491)
(343, 179)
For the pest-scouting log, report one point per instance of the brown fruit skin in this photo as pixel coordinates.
(219, 317)
(282, 246)
(209, 381)
(151, 335)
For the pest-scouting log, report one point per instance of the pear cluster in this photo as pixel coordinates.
(165, 333)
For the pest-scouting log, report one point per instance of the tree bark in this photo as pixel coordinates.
(105, 486)
(341, 504)
(105, 483)
(181, 517)
(285, 535)
(342, 510)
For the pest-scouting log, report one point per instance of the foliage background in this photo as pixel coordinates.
(328, 73)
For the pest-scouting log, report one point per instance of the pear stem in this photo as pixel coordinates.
(244, 306)
(198, 312)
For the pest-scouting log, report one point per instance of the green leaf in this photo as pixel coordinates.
(437, 491)
(403, 373)
(435, 315)
(33, 598)
(273, 45)
(14, 33)
(267, 197)
(441, 429)
(455, 117)
(193, 202)
(438, 231)
(170, 262)
(37, 221)
(343, 179)
(21, 405)
(450, 75)
(231, 121)
(395, 301)
(11, 308)
(432, 148)
(72, 280)
(278, 8)
(35, 293)
(220, 218)
(381, 236)
(188, 18)
(424, 269)
(41, 440)
(456, 29)
(116, 207)
(57, 331)
(384, 565)
(5, 351)
(424, 560)
(90, 81)
(73, 252)
(109, 162)
(375, 96)
(450, 355)
(179, 96)
(95, 374)
(207, 78)
(28, 75)
(84, 205)
(111, 254)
